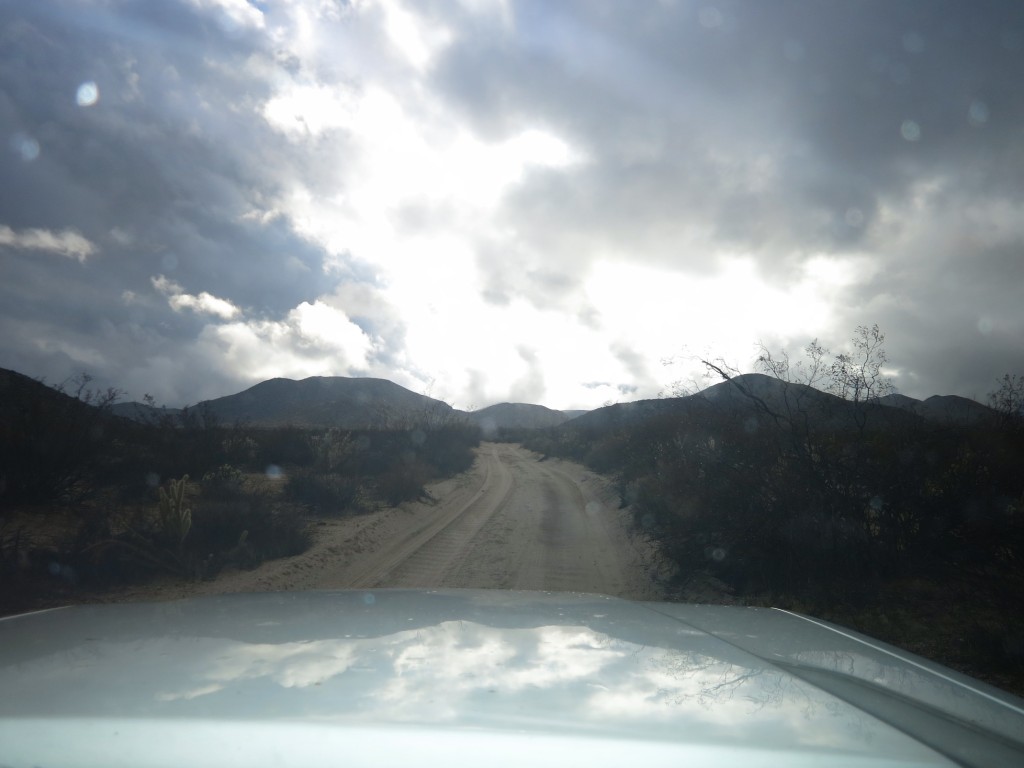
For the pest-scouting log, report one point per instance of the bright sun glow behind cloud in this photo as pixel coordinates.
(419, 190)
(410, 195)
(494, 201)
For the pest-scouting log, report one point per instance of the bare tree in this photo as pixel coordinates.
(857, 375)
(1008, 400)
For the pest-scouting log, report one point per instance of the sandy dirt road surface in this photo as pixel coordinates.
(513, 521)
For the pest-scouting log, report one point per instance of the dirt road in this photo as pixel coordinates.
(511, 522)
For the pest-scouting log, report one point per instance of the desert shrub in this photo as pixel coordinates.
(606, 455)
(240, 448)
(404, 481)
(323, 492)
(14, 544)
(243, 532)
(52, 440)
(282, 446)
(331, 450)
(223, 482)
(818, 504)
(448, 449)
(188, 537)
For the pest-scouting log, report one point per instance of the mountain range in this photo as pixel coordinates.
(365, 403)
(948, 409)
(766, 393)
(347, 403)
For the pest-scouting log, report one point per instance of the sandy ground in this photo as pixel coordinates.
(510, 522)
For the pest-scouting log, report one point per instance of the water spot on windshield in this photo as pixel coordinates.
(913, 42)
(87, 94)
(274, 472)
(710, 17)
(910, 130)
(978, 113)
(26, 147)
(169, 262)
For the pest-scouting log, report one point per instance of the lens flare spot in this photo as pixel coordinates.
(913, 42)
(910, 130)
(710, 17)
(274, 472)
(977, 114)
(793, 50)
(25, 147)
(854, 217)
(88, 94)
(169, 262)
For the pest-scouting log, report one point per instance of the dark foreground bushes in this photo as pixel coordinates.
(765, 506)
(79, 487)
(233, 524)
(244, 532)
(347, 470)
(865, 522)
(324, 491)
(195, 537)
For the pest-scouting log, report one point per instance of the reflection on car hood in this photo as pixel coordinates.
(416, 677)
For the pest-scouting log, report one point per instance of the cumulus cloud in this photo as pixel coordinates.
(232, 14)
(313, 340)
(64, 243)
(204, 303)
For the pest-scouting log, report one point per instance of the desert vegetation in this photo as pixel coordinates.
(89, 499)
(795, 487)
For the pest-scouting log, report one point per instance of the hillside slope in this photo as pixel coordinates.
(515, 416)
(329, 401)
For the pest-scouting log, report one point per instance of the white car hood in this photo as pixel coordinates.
(477, 677)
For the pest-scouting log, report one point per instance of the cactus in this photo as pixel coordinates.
(331, 450)
(174, 517)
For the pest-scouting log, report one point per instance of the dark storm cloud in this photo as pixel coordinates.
(159, 174)
(886, 130)
(779, 130)
(951, 300)
(772, 124)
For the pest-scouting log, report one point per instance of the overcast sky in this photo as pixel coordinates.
(485, 201)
